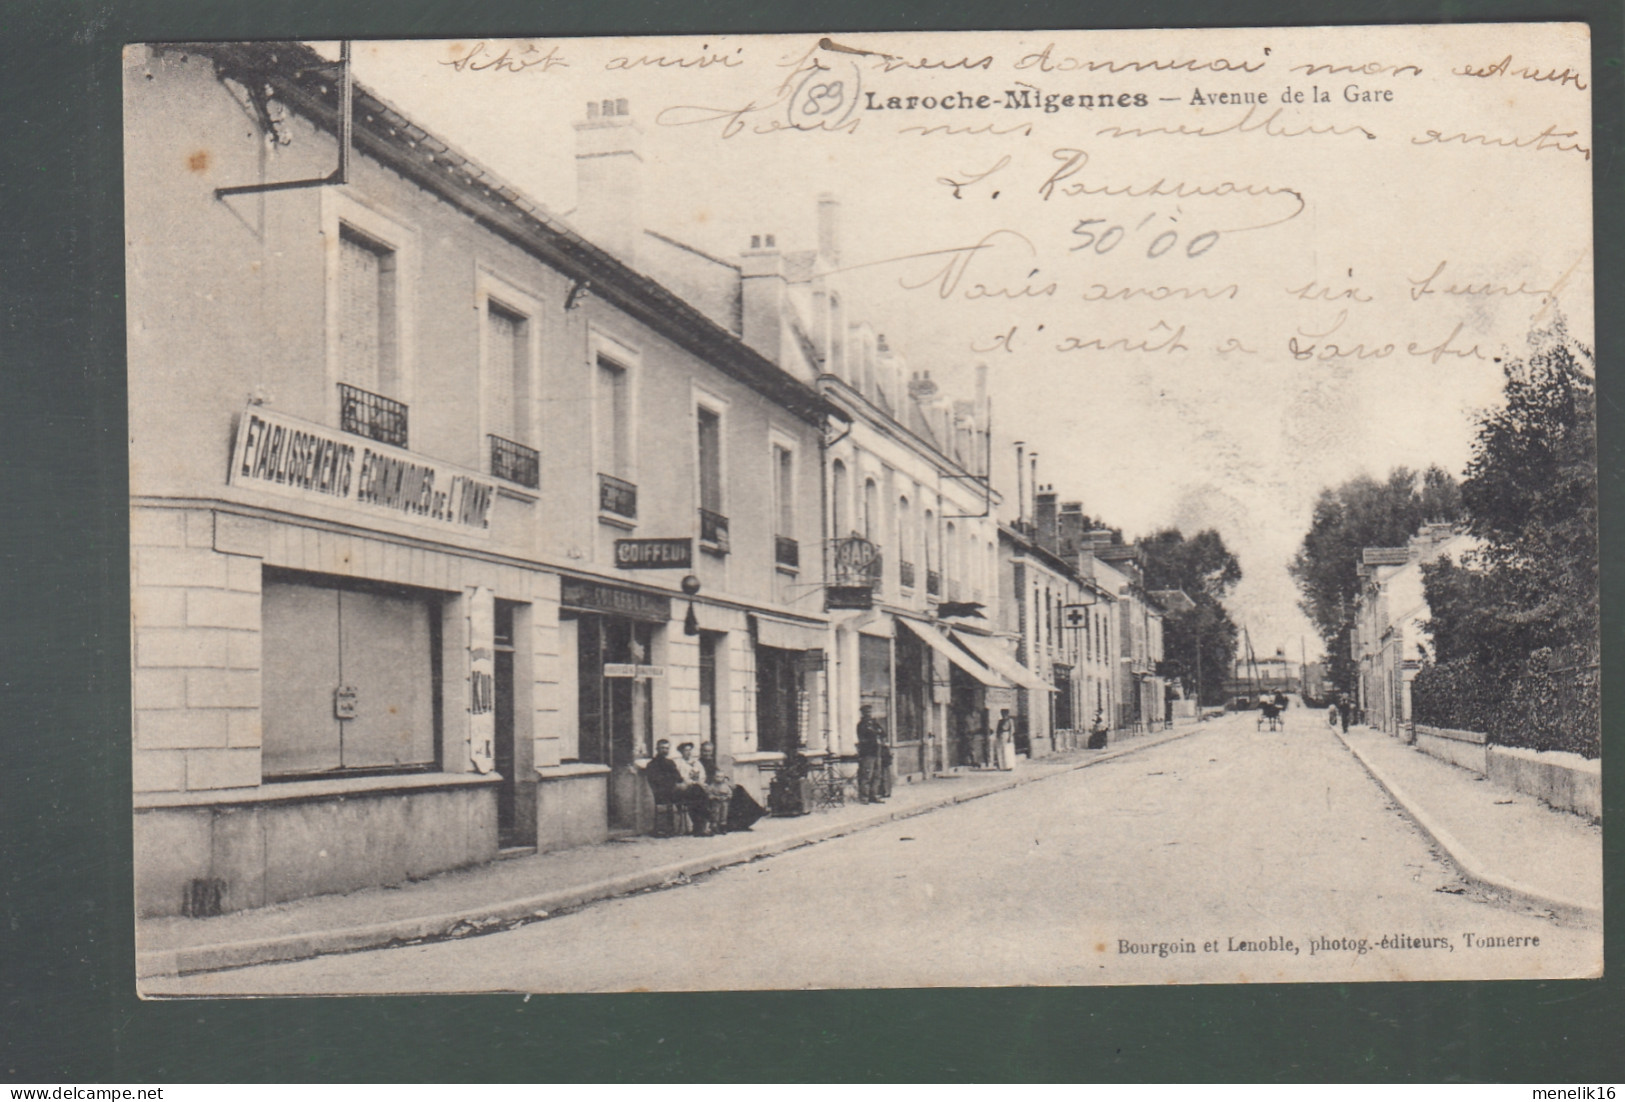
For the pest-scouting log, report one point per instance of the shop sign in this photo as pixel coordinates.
(655, 554)
(293, 458)
(482, 700)
(849, 597)
(632, 669)
(344, 702)
(585, 596)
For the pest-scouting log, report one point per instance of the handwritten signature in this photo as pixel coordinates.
(1074, 161)
(958, 185)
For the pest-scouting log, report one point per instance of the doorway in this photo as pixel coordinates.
(615, 714)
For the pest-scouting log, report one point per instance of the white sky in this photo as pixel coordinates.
(1209, 436)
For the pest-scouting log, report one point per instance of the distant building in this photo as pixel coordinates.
(1277, 673)
(1389, 643)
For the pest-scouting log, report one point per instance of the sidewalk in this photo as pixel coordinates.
(1503, 841)
(522, 889)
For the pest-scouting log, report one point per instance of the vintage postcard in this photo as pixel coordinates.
(863, 510)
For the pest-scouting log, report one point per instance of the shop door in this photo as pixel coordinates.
(779, 693)
(616, 713)
(503, 749)
(963, 718)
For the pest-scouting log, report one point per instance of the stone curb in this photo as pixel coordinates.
(1472, 869)
(153, 963)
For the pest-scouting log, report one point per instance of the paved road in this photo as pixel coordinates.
(1229, 843)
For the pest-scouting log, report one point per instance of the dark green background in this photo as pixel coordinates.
(69, 1012)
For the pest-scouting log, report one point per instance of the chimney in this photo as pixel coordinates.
(1032, 483)
(829, 229)
(1044, 518)
(762, 294)
(1021, 485)
(920, 387)
(984, 426)
(964, 433)
(609, 178)
(1074, 536)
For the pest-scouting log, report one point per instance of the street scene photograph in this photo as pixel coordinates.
(863, 511)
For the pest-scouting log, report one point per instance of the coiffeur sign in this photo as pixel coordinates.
(655, 554)
(295, 458)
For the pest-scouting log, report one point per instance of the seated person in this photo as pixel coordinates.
(719, 790)
(692, 769)
(670, 785)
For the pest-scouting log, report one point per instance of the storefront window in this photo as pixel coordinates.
(351, 676)
(781, 699)
(614, 715)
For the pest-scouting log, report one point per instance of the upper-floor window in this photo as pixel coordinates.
(368, 308)
(713, 514)
(871, 510)
(507, 345)
(838, 489)
(613, 419)
(709, 426)
(784, 490)
(786, 550)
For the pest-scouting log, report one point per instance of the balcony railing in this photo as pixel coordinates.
(515, 462)
(933, 584)
(617, 496)
(786, 551)
(853, 560)
(905, 573)
(713, 531)
(372, 415)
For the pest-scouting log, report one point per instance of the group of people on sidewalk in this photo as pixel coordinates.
(694, 782)
(698, 786)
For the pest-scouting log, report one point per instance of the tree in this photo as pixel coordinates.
(1531, 495)
(1204, 637)
(1362, 513)
(1515, 626)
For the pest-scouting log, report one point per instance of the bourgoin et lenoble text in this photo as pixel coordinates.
(1315, 946)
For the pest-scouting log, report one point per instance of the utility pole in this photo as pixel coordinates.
(1198, 673)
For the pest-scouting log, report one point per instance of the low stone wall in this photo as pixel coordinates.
(273, 844)
(572, 806)
(1464, 748)
(1562, 779)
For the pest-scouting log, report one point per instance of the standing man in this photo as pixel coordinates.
(871, 735)
(1004, 741)
(1343, 710)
